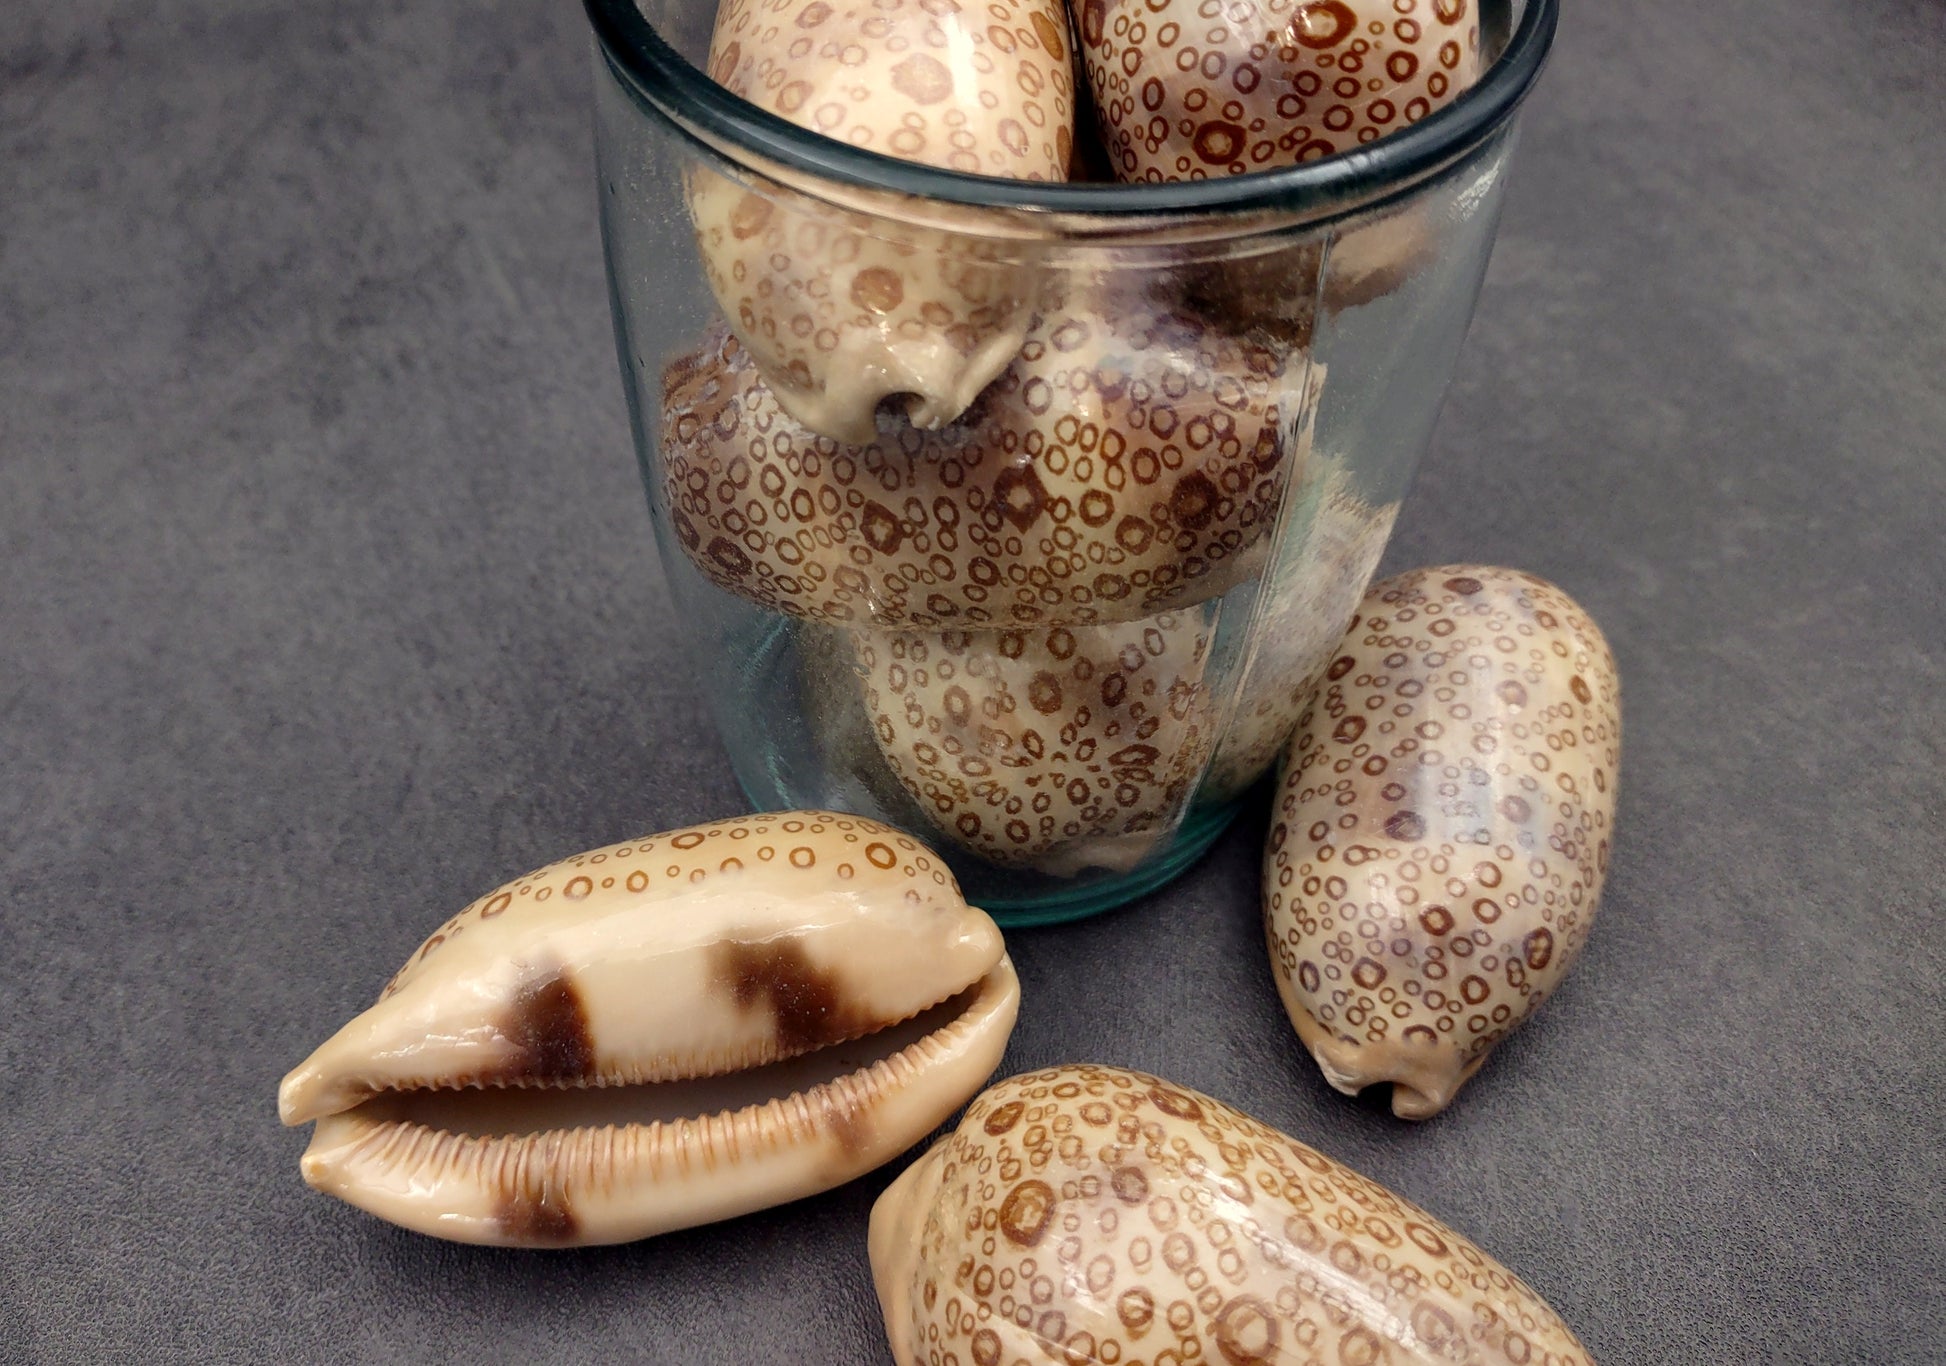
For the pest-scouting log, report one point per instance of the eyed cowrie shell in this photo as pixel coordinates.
(1118, 468)
(1442, 827)
(1058, 749)
(1306, 603)
(842, 307)
(661, 1033)
(988, 90)
(1090, 1214)
(1184, 92)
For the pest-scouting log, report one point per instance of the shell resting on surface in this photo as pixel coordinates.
(680, 1028)
(1090, 1214)
(1442, 827)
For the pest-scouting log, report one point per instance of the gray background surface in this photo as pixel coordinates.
(327, 601)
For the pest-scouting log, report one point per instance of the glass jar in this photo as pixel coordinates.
(1025, 515)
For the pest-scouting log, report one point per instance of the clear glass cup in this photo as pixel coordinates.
(1060, 634)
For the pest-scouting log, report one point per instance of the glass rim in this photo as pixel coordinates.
(680, 91)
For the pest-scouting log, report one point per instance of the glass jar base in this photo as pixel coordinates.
(780, 765)
(1056, 905)
(1197, 833)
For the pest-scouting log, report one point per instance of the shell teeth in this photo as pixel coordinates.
(896, 1069)
(638, 1074)
(662, 1033)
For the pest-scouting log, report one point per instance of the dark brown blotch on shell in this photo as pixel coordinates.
(548, 1024)
(848, 1121)
(807, 1006)
(542, 1218)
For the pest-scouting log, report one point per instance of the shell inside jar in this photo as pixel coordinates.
(1186, 91)
(1334, 544)
(845, 310)
(1125, 464)
(1062, 750)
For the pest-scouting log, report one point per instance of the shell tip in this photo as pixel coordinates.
(897, 1223)
(300, 1096)
(1409, 1102)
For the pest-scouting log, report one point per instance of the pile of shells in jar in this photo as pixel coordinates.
(1010, 506)
(1004, 502)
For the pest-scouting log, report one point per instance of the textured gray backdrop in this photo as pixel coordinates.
(327, 601)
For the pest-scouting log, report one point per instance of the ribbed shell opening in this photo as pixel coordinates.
(523, 1111)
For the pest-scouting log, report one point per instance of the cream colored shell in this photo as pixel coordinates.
(981, 87)
(843, 310)
(720, 951)
(1336, 539)
(1442, 827)
(1060, 750)
(1185, 90)
(1094, 1215)
(1116, 470)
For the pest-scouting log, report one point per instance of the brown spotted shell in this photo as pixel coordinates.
(985, 88)
(1304, 607)
(1115, 470)
(843, 309)
(1442, 827)
(648, 1036)
(1060, 749)
(1186, 90)
(1093, 1215)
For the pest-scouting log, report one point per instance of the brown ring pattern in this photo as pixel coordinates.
(843, 310)
(1114, 471)
(1442, 827)
(1185, 90)
(1090, 1214)
(1058, 749)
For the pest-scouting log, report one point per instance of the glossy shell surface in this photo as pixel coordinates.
(1094, 1215)
(1062, 749)
(651, 1035)
(1115, 470)
(1442, 827)
(845, 310)
(985, 88)
(1187, 90)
